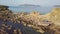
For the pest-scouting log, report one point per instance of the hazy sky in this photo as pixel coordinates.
(35, 2)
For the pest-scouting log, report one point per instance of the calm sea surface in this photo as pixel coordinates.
(42, 10)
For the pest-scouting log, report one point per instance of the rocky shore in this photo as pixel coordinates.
(32, 23)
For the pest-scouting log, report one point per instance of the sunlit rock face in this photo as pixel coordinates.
(54, 17)
(35, 20)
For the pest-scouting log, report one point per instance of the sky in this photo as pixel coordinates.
(34, 2)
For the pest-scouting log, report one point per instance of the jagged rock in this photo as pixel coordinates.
(34, 20)
(29, 23)
(2, 7)
(54, 17)
(5, 13)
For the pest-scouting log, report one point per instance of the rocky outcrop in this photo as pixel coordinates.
(54, 17)
(29, 23)
(35, 21)
(5, 13)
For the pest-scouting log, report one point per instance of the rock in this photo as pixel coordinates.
(54, 17)
(29, 23)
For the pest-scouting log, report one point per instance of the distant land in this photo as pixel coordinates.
(28, 5)
(57, 6)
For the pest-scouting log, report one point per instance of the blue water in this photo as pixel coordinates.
(40, 9)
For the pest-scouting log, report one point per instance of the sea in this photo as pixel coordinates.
(31, 8)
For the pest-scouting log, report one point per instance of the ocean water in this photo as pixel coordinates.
(40, 9)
